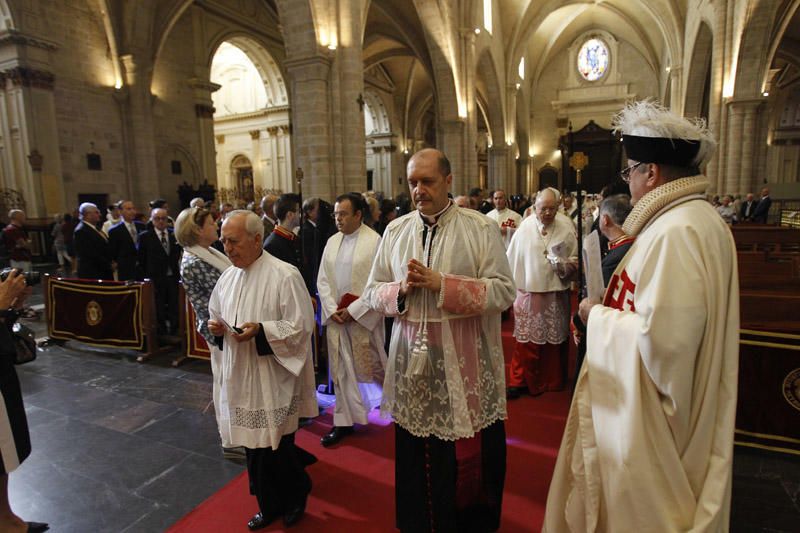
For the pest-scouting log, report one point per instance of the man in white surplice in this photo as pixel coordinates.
(442, 272)
(508, 219)
(355, 332)
(262, 320)
(649, 439)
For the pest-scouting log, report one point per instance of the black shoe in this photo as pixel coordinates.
(512, 393)
(37, 527)
(335, 435)
(259, 521)
(295, 514)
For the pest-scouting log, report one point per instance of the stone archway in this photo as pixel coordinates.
(251, 115)
(698, 82)
(241, 171)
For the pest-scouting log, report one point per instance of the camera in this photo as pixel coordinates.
(31, 278)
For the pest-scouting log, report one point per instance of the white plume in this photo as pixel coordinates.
(650, 119)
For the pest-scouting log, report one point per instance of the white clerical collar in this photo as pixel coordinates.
(432, 219)
(353, 235)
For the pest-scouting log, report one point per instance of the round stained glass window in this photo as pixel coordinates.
(593, 59)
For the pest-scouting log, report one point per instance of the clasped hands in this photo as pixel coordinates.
(420, 276)
(249, 330)
(341, 316)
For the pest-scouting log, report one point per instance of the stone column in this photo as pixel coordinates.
(272, 176)
(675, 94)
(452, 144)
(347, 93)
(255, 157)
(33, 162)
(715, 108)
(204, 110)
(499, 170)
(734, 149)
(750, 138)
(32, 158)
(284, 159)
(138, 73)
(312, 143)
(524, 175)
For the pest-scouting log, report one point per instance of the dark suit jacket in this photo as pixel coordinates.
(743, 215)
(94, 259)
(123, 250)
(762, 210)
(284, 249)
(153, 260)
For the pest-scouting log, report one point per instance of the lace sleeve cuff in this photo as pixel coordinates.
(461, 295)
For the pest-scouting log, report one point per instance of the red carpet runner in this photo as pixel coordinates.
(354, 482)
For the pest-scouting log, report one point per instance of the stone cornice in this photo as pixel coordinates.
(744, 102)
(253, 114)
(19, 38)
(314, 67)
(204, 110)
(198, 83)
(28, 77)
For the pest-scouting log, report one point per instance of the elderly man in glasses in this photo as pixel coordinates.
(543, 258)
(649, 439)
(159, 255)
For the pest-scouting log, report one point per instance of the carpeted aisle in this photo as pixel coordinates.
(354, 482)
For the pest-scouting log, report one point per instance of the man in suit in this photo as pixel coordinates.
(122, 240)
(762, 209)
(268, 213)
(748, 208)
(282, 242)
(91, 245)
(159, 254)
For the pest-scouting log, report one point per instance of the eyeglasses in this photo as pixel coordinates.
(625, 174)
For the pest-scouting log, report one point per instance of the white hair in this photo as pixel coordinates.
(197, 202)
(84, 207)
(252, 223)
(547, 190)
(650, 119)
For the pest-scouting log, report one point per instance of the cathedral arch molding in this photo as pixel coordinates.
(662, 14)
(698, 79)
(490, 91)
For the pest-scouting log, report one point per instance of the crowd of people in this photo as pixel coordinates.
(735, 209)
(649, 438)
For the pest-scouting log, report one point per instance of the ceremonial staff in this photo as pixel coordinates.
(578, 161)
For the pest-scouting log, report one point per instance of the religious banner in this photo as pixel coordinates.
(196, 345)
(104, 313)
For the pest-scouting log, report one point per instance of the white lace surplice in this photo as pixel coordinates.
(463, 390)
(541, 317)
(258, 399)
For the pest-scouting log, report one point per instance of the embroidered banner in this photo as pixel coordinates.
(196, 345)
(102, 314)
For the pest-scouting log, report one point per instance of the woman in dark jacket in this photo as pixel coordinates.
(15, 441)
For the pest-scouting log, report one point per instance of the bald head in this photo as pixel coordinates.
(462, 201)
(546, 206)
(429, 177)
